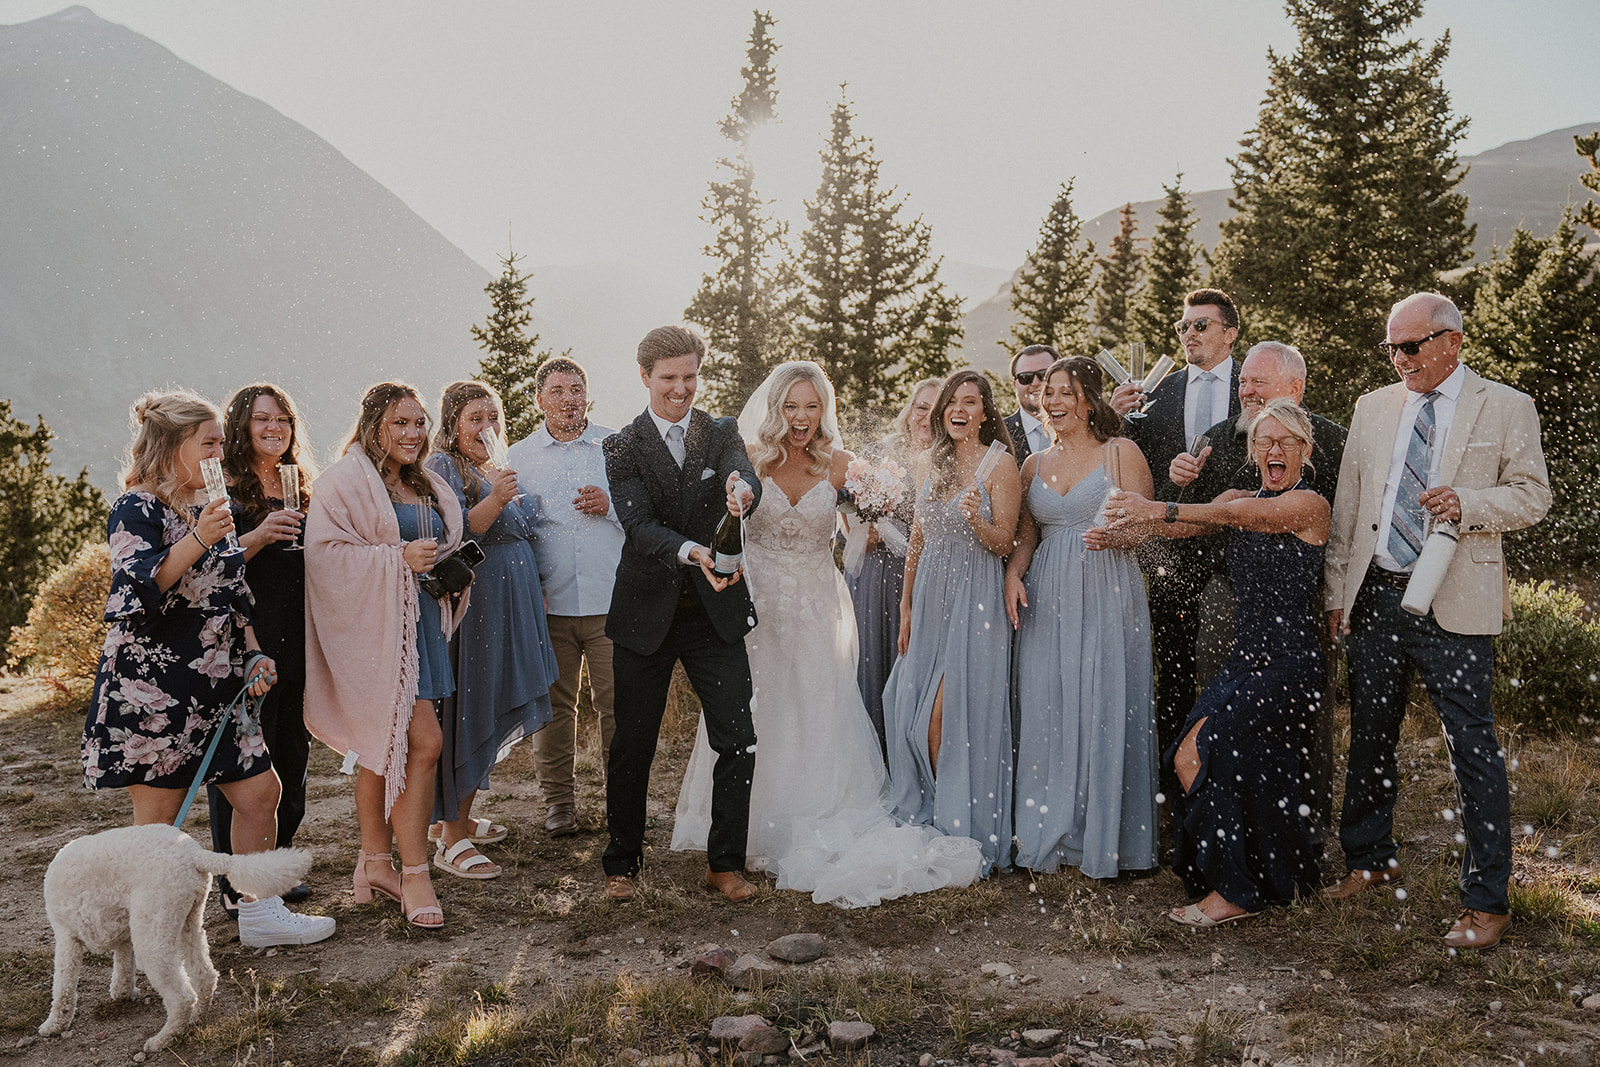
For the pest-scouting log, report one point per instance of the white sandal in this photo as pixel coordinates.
(484, 832)
(476, 866)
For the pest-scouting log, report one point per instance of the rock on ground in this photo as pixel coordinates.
(796, 948)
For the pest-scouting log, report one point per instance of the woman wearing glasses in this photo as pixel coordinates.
(1242, 836)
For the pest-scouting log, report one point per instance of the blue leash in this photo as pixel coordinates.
(248, 709)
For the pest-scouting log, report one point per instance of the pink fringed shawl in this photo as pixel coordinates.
(362, 605)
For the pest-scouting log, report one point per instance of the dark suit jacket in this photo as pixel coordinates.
(1229, 466)
(1160, 436)
(660, 507)
(1020, 449)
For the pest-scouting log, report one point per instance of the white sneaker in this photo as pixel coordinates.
(267, 924)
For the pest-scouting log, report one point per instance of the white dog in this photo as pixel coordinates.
(139, 892)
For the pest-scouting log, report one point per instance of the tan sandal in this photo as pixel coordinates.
(427, 910)
(363, 885)
(476, 866)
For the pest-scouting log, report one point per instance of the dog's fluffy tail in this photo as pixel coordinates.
(259, 874)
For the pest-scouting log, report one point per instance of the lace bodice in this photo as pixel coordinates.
(806, 527)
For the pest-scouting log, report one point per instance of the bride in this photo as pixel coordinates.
(819, 817)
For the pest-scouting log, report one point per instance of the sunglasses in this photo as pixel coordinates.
(1410, 348)
(1200, 325)
(1028, 377)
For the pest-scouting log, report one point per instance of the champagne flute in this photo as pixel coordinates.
(495, 445)
(1151, 380)
(289, 475)
(217, 489)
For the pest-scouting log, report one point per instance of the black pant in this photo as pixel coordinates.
(720, 673)
(1174, 594)
(283, 728)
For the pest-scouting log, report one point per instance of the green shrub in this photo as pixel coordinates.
(1547, 661)
(66, 625)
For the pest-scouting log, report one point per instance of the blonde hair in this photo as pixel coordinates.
(900, 429)
(162, 422)
(1290, 416)
(769, 449)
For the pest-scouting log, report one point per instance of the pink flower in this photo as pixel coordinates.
(214, 662)
(142, 694)
(252, 746)
(155, 723)
(124, 544)
(168, 763)
(141, 748)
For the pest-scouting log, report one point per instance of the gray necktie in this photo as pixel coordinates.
(675, 444)
(1409, 527)
(1205, 405)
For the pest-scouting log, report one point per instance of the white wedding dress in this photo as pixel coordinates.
(819, 815)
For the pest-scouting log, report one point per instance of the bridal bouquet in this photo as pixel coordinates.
(874, 490)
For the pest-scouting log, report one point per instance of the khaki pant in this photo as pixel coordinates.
(576, 638)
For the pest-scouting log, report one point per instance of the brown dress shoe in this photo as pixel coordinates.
(730, 884)
(619, 887)
(560, 821)
(1477, 929)
(1358, 882)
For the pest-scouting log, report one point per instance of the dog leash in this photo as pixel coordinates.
(249, 712)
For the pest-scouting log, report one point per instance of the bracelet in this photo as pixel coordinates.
(204, 547)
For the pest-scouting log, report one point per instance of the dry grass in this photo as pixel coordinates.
(1391, 995)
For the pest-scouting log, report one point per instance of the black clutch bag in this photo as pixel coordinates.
(452, 574)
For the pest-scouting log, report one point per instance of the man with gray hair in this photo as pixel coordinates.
(1270, 370)
(1440, 445)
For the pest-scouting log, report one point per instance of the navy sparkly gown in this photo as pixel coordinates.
(1241, 829)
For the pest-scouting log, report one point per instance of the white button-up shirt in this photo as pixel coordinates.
(577, 553)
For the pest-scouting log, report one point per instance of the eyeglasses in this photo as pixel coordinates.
(1287, 444)
(285, 421)
(1410, 348)
(1028, 377)
(1200, 325)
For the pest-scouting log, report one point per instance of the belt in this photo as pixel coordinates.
(1397, 579)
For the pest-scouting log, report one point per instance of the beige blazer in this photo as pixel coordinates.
(1494, 462)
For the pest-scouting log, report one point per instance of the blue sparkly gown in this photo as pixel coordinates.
(1241, 829)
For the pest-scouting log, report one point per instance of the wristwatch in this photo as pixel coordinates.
(1172, 513)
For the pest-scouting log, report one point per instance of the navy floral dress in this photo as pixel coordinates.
(171, 663)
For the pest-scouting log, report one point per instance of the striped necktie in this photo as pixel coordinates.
(1410, 523)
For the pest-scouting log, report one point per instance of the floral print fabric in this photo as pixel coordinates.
(171, 663)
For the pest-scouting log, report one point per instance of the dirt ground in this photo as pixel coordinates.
(948, 975)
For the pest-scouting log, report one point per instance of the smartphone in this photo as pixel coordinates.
(469, 552)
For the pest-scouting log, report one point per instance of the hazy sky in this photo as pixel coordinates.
(589, 128)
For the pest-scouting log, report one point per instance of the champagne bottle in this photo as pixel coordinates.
(727, 544)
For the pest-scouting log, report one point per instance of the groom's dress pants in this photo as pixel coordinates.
(720, 673)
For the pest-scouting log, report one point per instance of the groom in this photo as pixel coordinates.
(672, 473)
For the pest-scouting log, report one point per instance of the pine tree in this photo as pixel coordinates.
(1533, 325)
(44, 517)
(513, 354)
(744, 305)
(1172, 271)
(1345, 192)
(875, 314)
(1120, 271)
(1589, 149)
(1051, 294)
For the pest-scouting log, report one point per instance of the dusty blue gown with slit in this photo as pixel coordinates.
(959, 636)
(1086, 750)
